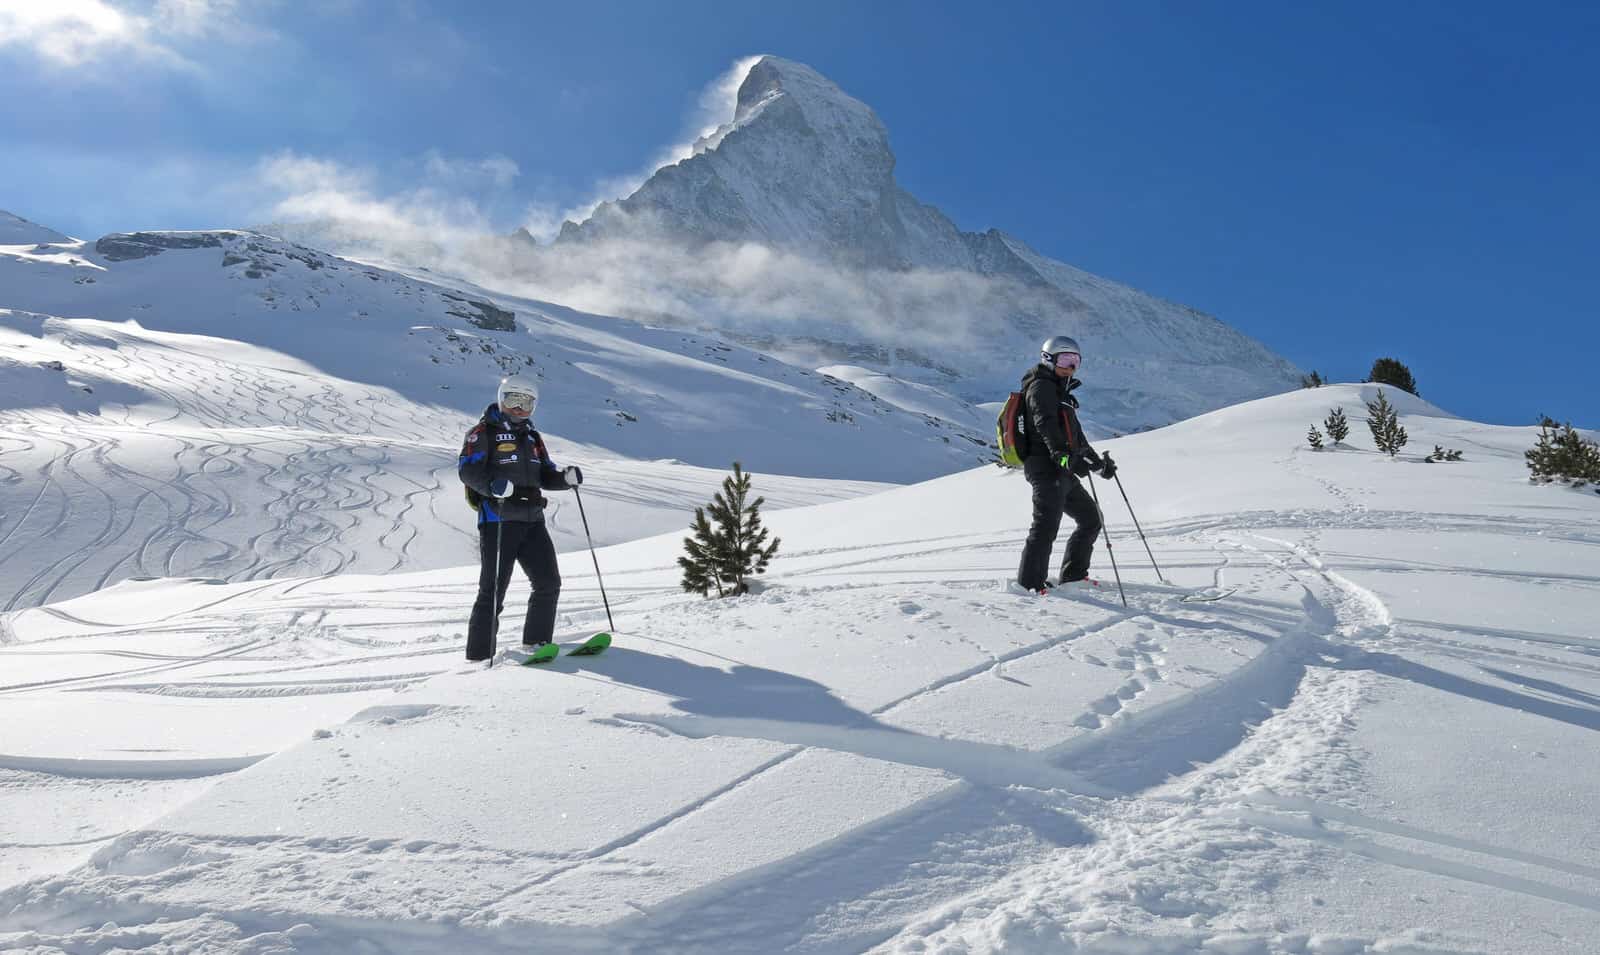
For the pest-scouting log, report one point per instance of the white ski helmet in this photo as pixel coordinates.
(518, 396)
(1055, 345)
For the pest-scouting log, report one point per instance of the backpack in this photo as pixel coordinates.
(474, 499)
(1011, 434)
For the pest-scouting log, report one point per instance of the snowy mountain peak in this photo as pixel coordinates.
(833, 115)
(802, 165)
(804, 168)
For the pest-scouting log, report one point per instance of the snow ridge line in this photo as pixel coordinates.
(129, 768)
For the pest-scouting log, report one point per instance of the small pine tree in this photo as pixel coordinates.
(1312, 380)
(1315, 437)
(729, 544)
(1384, 423)
(1338, 426)
(1391, 371)
(702, 552)
(1563, 454)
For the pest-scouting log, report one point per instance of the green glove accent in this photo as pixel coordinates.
(1064, 459)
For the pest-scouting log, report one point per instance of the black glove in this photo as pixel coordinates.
(1108, 467)
(1078, 463)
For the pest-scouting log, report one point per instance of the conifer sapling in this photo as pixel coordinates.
(729, 544)
(1563, 454)
(1384, 423)
(1338, 427)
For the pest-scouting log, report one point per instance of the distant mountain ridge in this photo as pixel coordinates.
(806, 168)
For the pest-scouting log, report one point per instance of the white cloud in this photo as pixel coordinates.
(71, 32)
(76, 32)
(445, 203)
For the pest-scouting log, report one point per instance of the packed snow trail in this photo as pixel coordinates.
(1372, 745)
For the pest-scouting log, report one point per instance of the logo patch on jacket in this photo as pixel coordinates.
(505, 436)
(506, 446)
(472, 438)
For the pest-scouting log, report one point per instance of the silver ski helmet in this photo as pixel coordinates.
(1056, 346)
(517, 397)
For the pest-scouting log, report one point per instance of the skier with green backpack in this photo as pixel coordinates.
(1039, 432)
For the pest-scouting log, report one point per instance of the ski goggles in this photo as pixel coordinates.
(1070, 360)
(517, 402)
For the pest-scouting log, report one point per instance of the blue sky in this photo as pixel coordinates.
(1341, 181)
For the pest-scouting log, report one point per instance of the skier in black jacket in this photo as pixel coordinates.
(1058, 455)
(506, 467)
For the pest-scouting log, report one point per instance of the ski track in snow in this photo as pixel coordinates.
(1224, 733)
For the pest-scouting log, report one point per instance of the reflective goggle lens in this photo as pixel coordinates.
(1069, 360)
(517, 401)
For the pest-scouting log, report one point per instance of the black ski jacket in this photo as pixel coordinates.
(498, 447)
(1051, 417)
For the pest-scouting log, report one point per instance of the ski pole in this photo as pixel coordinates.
(596, 560)
(1110, 550)
(1118, 478)
(494, 631)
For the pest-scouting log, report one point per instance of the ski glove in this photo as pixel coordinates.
(573, 476)
(500, 489)
(1078, 463)
(1108, 467)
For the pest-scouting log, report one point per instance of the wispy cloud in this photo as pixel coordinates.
(72, 33)
(444, 202)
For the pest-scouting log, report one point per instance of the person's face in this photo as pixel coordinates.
(1067, 364)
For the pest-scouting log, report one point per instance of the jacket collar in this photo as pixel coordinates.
(493, 416)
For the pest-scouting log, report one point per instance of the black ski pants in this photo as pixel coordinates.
(1057, 491)
(503, 545)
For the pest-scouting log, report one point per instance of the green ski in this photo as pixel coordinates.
(544, 654)
(591, 646)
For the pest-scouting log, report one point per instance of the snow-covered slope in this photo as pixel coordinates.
(805, 168)
(15, 230)
(224, 404)
(1382, 741)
